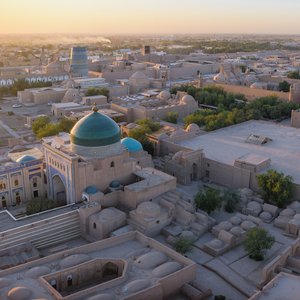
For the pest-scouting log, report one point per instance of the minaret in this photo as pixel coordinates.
(199, 80)
(42, 57)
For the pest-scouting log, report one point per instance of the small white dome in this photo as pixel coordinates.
(193, 128)
(235, 220)
(266, 216)
(37, 272)
(151, 260)
(73, 260)
(136, 285)
(255, 206)
(186, 234)
(225, 225)
(186, 99)
(164, 95)
(19, 293)
(166, 269)
(237, 231)
(247, 225)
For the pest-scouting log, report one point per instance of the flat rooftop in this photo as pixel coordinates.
(67, 105)
(228, 144)
(283, 287)
(149, 178)
(130, 247)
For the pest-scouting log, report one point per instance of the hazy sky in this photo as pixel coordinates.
(150, 16)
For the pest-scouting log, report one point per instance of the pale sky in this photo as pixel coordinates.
(150, 16)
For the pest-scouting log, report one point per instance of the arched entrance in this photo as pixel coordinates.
(59, 190)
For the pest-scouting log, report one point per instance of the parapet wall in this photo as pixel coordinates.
(271, 269)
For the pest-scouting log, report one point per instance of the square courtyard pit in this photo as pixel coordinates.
(129, 266)
(229, 144)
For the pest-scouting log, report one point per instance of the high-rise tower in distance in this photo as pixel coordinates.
(79, 62)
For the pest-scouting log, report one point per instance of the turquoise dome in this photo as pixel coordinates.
(131, 144)
(25, 159)
(115, 184)
(91, 190)
(95, 130)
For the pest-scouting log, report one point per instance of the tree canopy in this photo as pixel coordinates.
(276, 187)
(208, 200)
(171, 117)
(284, 86)
(21, 85)
(183, 245)
(97, 91)
(147, 126)
(42, 126)
(229, 111)
(294, 75)
(257, 242)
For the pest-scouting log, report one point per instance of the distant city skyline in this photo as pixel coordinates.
(138, 16)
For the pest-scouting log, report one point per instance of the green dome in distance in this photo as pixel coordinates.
(95, 130)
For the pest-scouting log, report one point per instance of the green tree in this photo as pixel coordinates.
(39, 123)
(148, 123)
(231, 200)
(147, 126)
(208, 200)
(66, 124)
(284, 86)
(293, 75)
(97, 91)
(140, 135)
(49, 129)
(171, 117)
(183, 245)
(276, 187)
(257, 242)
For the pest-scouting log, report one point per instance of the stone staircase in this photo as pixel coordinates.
(45, 233)
(160, 162)
(171, 196)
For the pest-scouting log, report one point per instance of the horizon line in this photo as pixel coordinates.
(166, 33)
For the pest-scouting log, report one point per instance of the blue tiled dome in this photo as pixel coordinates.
(91, 190)
(131, 144)
(95, 130)
(25, 159)
(114, 184)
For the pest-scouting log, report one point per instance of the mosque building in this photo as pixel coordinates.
(93, 161)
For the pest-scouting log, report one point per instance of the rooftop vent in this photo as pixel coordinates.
(257, 139)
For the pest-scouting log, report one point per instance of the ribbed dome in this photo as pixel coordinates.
(131, 144)
(95, 130)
